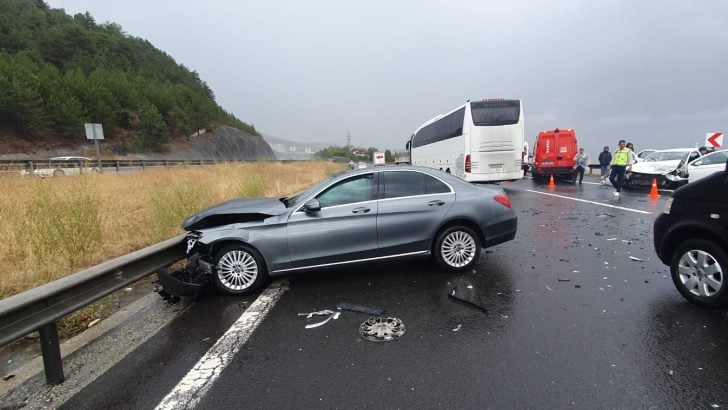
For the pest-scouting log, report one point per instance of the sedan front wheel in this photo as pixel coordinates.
(698, 270)
(239, 270)
(457, 248)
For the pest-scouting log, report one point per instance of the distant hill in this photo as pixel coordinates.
(287, 149)
(58, 72)
(221, 143)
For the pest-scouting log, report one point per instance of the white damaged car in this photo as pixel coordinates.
(668, 167)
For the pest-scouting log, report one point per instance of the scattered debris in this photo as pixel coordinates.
(317, 313)
(611, 239)
(183, 282)
(549, 289)
(8, 377)
(334, 315)
(635, 259)
(377, 329)
(361, 309)
(457, 328)
(564, 279)
(467, 298)
(93, 323)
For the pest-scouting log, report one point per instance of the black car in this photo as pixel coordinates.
(691, 236)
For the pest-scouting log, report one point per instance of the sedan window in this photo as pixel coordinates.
(435, 186)
(403, 183)
(352, 190)
(715, 158)
(399, 184)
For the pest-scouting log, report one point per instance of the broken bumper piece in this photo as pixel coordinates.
(181, 283)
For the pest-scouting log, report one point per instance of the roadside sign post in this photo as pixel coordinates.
(95, 132)
(714, 139)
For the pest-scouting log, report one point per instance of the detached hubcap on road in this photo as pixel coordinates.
(700, 273)
(458, 249)
(237, 270)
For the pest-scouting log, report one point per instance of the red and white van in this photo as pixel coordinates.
(553, 154)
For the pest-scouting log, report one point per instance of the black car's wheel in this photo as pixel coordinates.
(457, 248)
(698, 270)
(239, 270)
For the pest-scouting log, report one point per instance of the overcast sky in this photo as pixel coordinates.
(653, 72)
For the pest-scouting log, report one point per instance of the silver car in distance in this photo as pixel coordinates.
(362, 215)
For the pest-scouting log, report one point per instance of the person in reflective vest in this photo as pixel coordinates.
(620, 161)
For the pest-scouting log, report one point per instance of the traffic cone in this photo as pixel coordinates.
(551, 181)
(653, 190)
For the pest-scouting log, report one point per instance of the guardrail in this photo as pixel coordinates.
(18, 165)
(40, 308)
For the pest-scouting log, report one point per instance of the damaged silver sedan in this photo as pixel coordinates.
(362, 215)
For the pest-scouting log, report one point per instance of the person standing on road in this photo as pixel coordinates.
(581, 161)
(605, 158)
(619, 165)
(632, 154)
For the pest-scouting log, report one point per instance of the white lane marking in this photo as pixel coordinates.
(192, 388)
(590, 202)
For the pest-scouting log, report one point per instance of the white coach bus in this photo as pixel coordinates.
(479, 141)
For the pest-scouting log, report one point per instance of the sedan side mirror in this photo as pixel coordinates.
(312, 205)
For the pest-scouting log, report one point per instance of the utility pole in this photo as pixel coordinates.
(348, 140)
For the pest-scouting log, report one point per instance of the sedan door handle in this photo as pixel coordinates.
(436, 202)
(361, 210)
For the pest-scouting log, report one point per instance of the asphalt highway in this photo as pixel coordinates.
(576, 312)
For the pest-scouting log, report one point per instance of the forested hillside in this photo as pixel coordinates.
(58, 72)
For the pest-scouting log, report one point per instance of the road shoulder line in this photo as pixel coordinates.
(192, 388)
(590, 202)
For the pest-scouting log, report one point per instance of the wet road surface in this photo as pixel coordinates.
(580, 313)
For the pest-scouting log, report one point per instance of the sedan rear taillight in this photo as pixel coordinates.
(503, 200)
(468, 164)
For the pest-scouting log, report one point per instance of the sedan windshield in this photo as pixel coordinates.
(666, 156)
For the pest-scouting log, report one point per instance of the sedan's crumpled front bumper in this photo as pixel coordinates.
(664, 180)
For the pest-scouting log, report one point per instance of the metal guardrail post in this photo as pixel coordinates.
(40, 308)
(51, 350)
(118, 164)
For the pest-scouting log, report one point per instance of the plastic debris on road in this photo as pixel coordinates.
(635, 259)
(334, 315)
(361, 309)
(466, 297)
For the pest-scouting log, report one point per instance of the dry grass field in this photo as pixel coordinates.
(57, 226)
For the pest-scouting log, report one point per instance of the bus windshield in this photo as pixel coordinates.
(498, 112)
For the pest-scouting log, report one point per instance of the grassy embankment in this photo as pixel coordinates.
(57, 226)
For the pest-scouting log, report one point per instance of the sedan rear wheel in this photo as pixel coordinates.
(239, 270)
(698, 270)
(457, 248)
